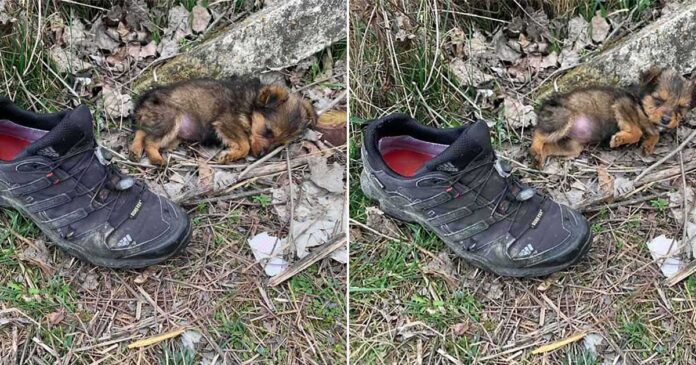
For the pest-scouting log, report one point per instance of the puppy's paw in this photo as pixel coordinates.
(155, 157)
(135, 155)
(616, 141)
(230, 156)
(648, 149)
(157, 161)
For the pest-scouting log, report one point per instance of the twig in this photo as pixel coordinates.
(259, 162)
(682, 274)
(556, 345)
(291, 238)
(667, 157)
(227, 197)
(335, 102)
(156, 339)
(449, 357)
(87, 5)
(309, 260)
(658, 176)
(324, 79)
(625, 202)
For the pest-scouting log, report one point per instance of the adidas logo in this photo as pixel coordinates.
(127, 240)
(48, 152)
(526, 251)
(447, 167)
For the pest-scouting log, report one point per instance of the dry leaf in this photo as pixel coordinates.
(156, 339)
(37, 255)
(66, 61)
(537, 25)
(141, 278)
(606, 181)
(205, 175)
(116, 105)
(149, 50)
(468, 73)
(577, 33)
(503, 50)
(460, 329)
(90, 282)
(568, 58)
(600, 28)
(518, 115)
(442, 266)
(325, 176)
(381, 223)
(102, 39)
(200, 19)
(74, 34)
(56, 317)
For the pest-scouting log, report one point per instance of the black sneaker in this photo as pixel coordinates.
(450, 181)
(52, 171)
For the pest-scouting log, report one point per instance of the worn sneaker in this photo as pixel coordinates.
(52, 171)
(450, 181)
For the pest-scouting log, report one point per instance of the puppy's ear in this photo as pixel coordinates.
(649, 77)
(272, 96)
(312, 116)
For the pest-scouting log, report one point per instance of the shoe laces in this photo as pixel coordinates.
(513, 191)
(112, 181)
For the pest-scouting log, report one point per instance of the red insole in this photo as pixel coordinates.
(11, 146)
(406, 162)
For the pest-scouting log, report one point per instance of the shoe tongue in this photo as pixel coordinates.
(474, 142)
(74, 131)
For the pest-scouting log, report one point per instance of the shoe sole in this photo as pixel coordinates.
(375, 193)
(124, 263)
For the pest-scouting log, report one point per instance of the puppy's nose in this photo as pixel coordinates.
(666, 119)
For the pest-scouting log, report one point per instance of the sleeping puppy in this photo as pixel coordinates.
(241, 113)
(620, 116)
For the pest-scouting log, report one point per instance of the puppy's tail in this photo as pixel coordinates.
(554, 120)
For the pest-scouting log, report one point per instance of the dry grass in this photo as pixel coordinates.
(402, 313)
(75, 313)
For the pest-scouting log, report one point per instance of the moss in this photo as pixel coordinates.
(179, 68)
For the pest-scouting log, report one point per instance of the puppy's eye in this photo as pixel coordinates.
(268, 133)
(658, 101)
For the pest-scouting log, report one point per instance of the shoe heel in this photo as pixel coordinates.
(372, 191)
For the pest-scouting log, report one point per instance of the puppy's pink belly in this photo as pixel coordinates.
(189, 129)
(584, 130)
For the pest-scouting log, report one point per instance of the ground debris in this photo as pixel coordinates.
(666, 252)
(517, 114)
(269, 251)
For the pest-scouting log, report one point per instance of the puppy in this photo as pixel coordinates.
(241, 113)
(568, 122)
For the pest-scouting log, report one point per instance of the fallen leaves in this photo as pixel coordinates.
(116, 105)
(55, 318)
(468, 73)
(600, 28)
(329, 177)
(517, 114)
(606, 181)
(200, 19)
(205, 175)
(36, 254)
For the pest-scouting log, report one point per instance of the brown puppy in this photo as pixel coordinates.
(568, 122)
(243, 114)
